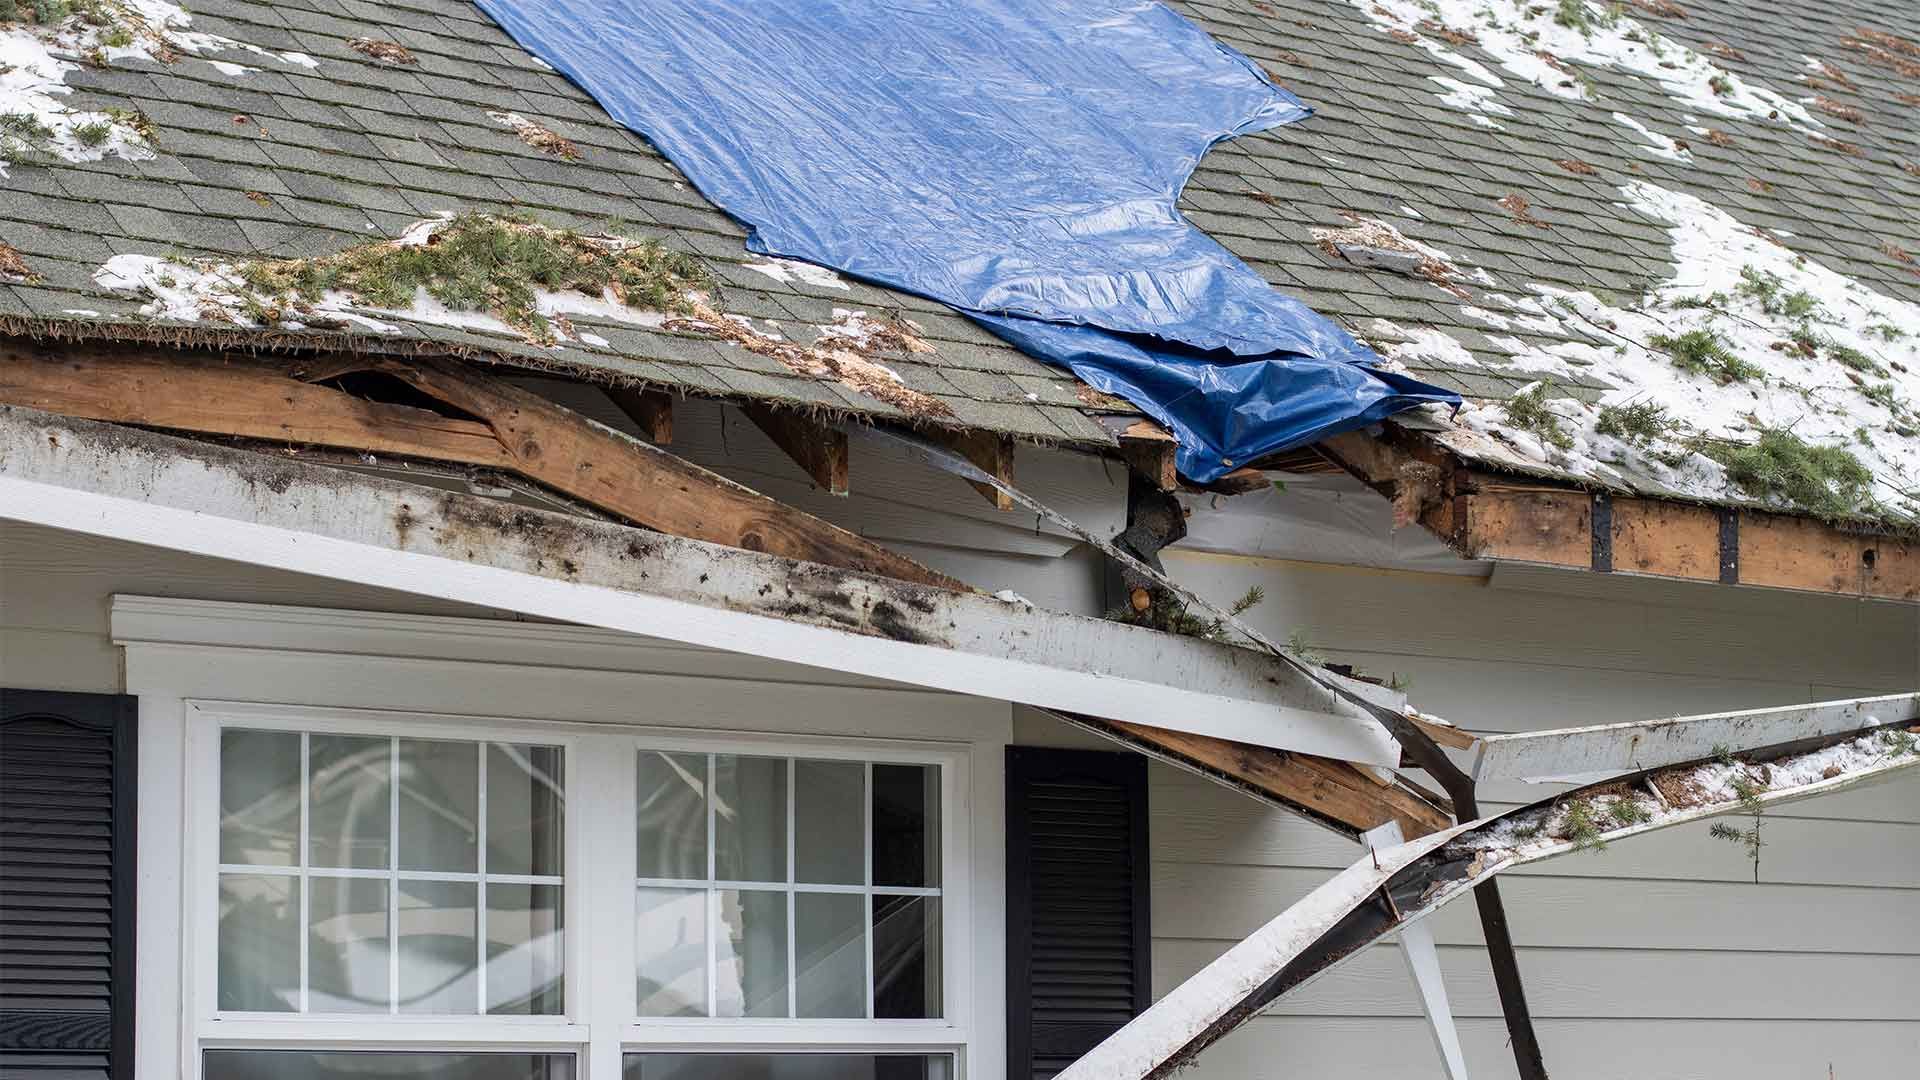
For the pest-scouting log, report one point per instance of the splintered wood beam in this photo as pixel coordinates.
(252, 399)
(650, 410)
(990, 453)
(1500, 517)
(819, 449)
(517, 431)
(610, 470)
(1334, 793)
(1147, 448)
(1244, 481)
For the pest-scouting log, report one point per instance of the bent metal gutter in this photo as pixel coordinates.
(1393, 888)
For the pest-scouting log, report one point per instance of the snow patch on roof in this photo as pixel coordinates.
(1747, 337)
(37, 58)
(1652, 143)
(1537, 42)
(786, 271)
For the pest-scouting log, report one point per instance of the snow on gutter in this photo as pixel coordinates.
(1394, 888)
(183, 495)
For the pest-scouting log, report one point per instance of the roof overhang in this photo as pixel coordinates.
(189, 496)
(1491, 515)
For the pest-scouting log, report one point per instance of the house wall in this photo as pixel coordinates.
(1658, 959)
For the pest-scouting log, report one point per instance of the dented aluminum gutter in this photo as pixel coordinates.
(1394, 888)
(267, 510)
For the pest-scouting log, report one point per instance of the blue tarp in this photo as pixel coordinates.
(1016, 159)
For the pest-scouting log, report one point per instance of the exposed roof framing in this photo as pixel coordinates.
(1485, 515)
(514, 429)
(278, 511)
(1333, 794)
(1393, 888)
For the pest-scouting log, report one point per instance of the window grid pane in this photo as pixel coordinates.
(353, 968)
(737, 952)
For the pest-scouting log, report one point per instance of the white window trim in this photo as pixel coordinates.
(199, 664)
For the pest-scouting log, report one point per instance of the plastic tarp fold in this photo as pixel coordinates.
(1018, 160)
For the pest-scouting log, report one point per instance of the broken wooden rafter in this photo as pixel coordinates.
(267, 509)
(257, 400)
(650, 410)
(990, 453)
(1330, 793)
(1394, 888)
(513, 430)
(820, 449)
(1148, 449)
(1483, 515)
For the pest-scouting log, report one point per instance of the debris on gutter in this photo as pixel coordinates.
(538, 136)
(41, 46)
(1393, 888)
(1754, 375)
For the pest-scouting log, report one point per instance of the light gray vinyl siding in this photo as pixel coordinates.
(1658, 959)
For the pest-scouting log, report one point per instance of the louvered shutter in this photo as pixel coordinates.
(66, 886)
(1078, 938)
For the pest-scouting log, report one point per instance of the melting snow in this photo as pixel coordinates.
(1655, 144)
(789, 270)
(1707, 784)
(1533, 43)
(1840, 362)
(36, 59)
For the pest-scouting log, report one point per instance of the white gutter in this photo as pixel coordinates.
(1393, 889)
(189, 496)
(1578, 754)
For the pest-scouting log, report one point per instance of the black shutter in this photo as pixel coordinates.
(66, 886)
(1079, 945)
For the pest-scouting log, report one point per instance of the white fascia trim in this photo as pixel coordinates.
(188, 496)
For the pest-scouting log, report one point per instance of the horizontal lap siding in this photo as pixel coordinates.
(1658, 959)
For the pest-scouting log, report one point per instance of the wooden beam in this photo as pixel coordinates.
(187, 392)
(1318, 787)
(990, 453)
(640, 482)
(1243, 481)
(1484, 515)
(519, 431)
(1147, 448)
(650, 410)
(819, 449)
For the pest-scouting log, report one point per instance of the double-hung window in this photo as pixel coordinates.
(386, 896)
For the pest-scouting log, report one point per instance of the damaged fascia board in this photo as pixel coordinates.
(183, 495)
(1580, 754)
(1393, 888)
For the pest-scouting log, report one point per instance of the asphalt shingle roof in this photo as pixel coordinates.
(285, 161)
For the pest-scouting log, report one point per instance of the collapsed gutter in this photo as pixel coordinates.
(1394, 888)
